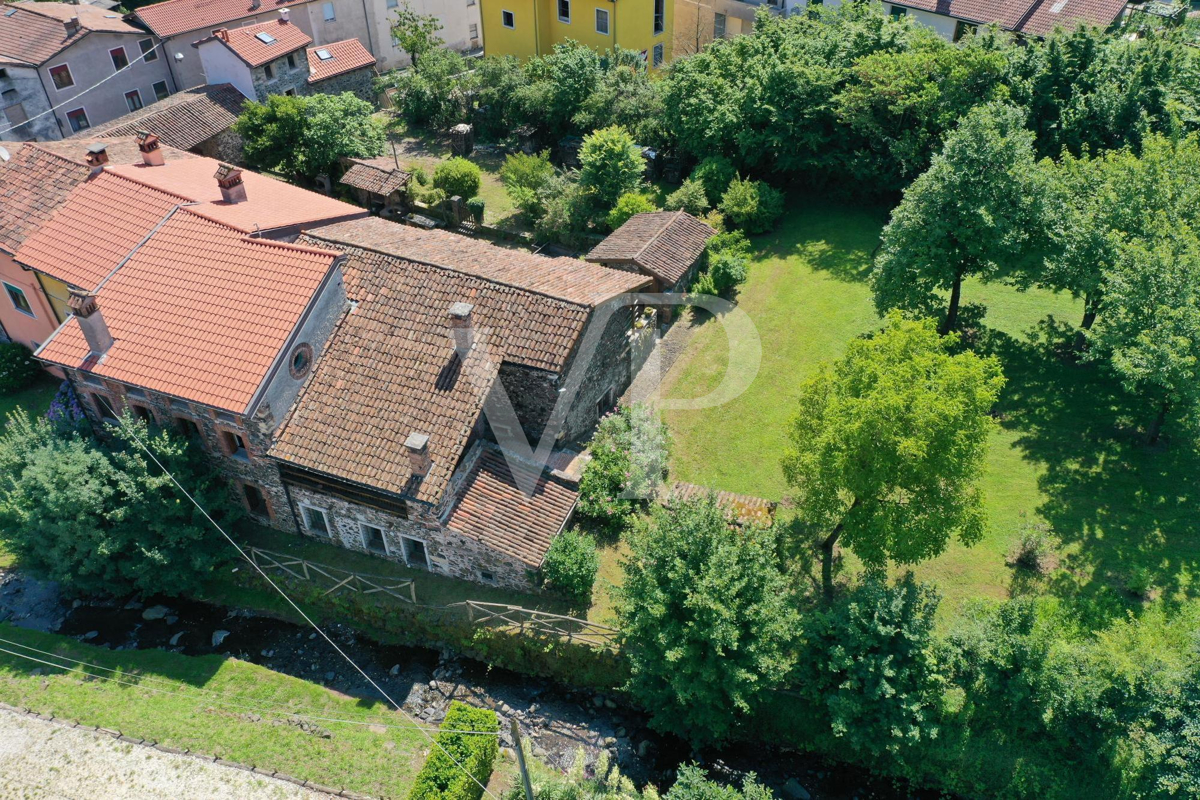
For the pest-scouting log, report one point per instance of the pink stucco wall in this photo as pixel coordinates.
(29, 331)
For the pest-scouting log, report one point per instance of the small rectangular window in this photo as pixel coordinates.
(133, 100)
(235, 445)
(898, 11)
(962, 29)
(78, 119)
(473, 31)
(61, 75)
(564, 10)
(327, 10)
(291, 61)
(718, 26)
(602, 21)
(660, 16)
(373, 539)
(148, 50)
(658, 54)
(270, 73)
(161, 92)
(507, 19)
(17, 297)
(316, 520)
(119, 59)
(393, 3)
(15, 113)
(255, 501)
(290, 93)
(487, 577)
(414, 553)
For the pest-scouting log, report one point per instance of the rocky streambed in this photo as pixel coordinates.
(558, 721)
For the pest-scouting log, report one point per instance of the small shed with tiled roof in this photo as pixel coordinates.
(666, 245)
(379, 183)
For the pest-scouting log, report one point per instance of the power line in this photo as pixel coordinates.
(138, 440)
(221, 698)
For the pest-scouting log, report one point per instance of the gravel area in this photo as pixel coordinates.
(40, 759)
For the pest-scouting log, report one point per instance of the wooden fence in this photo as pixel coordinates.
(337, 580)
(538, 623)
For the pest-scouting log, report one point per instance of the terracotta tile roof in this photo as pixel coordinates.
(270, 204)
(200, 311)
(1030, 17)
(121, 149)
(182, 120)
(33, 184)
(663, 243)
(35, 33)
(745, 508)
(568, 279)
(390, 369)
(280, 37)
(494, 510)
(85, 240)
(180, 16)
(343, 57)
(376, 179)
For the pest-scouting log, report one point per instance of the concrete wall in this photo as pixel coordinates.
(31, 94)
(89, 62)
(221, 65)
(456, 16)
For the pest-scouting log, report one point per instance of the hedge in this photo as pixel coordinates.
(441, 778)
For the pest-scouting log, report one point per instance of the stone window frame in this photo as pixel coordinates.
(291, 59)
(267, 507)
(142, 411)
(487, 576)
(225, 444)
(404, 538)
(268, 72)
(104, 406)
(325, 515)
(362, 532)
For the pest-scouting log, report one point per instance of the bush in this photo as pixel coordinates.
(571, 565)
(629, 459)
(752, 205)
(609, 166)
(630, 204)
(441, 778)
(457, 176)
(565, 215)
(727, 270)
(1035, 548)
(690, 197)
(17, 367)
(476, 206)
(714, 173)
(525, 177)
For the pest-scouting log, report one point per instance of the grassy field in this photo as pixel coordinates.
(1068, 452)
(35, 399)
(201, 704)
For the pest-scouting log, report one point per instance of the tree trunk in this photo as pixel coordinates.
(952, 311)
(827, 562)
(1157, 426)
(1090, 309)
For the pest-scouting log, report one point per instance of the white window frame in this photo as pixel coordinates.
(511, 16)
(148, 54)
(558, 4)
(8, 287)
(324, 512)
(71, 111)
(141, 104)
(404, 550)
(362, 531)
(71, 75)
(328, 12)
(165, 86)
(607, 22)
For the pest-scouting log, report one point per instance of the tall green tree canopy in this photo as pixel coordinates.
(977, 211)
(706, 619)
(415, 34)
(609, 166)
(886, 450)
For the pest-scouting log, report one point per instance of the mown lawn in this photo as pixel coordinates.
(199, 706)
(1068, 452)
(35, 398)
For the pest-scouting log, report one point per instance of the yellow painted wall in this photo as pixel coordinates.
(58, 294)
(537, 27)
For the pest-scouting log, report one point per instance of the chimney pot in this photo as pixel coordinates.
(417, 445)
(284, 17)
(462, 328)
(229, 178)
(152, 154)
(71, 25)
(97, 156)
(91, 322)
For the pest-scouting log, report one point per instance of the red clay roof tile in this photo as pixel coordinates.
(180, 16)
(282, 38)
(33, 184)
(664, 244)
(345, 56)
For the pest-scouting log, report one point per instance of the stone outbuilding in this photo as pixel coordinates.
(260, 60)
(379, 184)
(342, 67)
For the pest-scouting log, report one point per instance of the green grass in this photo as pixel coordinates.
(200, 710)
(1068, 450)
(35, 399)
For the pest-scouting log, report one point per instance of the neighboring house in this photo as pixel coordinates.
(387, 449)
(260, 60)
(459, 19)
(379, 183)
(699, 22)
(1030, 18)
(84, 61)
(665, 245)
(526, 28)
(179, 23)
(198, 120)
(342, 67)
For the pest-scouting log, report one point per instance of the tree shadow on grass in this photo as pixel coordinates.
(831, 237)
(1126, 513)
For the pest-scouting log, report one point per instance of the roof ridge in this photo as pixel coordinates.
(657, 233)
(37, 146)
(290, 246)
(145, 185)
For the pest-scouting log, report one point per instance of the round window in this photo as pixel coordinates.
(301, 361)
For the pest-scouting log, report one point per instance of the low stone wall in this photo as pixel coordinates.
(360, 83)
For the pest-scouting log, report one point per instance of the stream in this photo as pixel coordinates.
(557, 720)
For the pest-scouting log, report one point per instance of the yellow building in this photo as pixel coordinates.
(526, 28)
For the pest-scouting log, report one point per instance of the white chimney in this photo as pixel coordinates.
(283, 16)
(91, 321)
(462, 328)
(71, 26)
(417, 445)
(152, 154)
(97, 157)
(229, 178)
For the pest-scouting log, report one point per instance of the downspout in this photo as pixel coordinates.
(616, 42)
(537, 29)
(367, 17)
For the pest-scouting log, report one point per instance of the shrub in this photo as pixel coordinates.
(1035, 548)
(752, 205)
(629, 457)
(476, 206)
(714, 173)
(571, 565)
(65, 412)
(17, 367)
(566, 211)
(690, 197)
(727, 270)
(457, 176)
(524, 178)
(630, 204)
(609, 166)
(441, 778)
(704, 285)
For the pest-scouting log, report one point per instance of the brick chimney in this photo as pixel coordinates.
(417, 446)
(462, 328)
(152, 154)
(91, 321)
(97, 156)
(229, 178)
(284, 17)
(71, 26)
(222, 34)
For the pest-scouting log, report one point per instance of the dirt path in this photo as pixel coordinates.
(40, 759)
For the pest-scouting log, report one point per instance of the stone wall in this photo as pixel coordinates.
(226, 147)
(286, 78)
(360, 83)
(607, 374)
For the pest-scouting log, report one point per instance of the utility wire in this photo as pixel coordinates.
(220, 698)
(138, 440)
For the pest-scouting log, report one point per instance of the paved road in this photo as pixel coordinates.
(48, 761)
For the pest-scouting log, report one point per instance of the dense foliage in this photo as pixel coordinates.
(629, 205)
(610, 166)
(525, 178)
(571, 564)
(104, 518)
(457, 176)
(443, 779)
(628, 462)
(17, 367)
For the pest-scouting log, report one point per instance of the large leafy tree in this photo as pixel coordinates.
(415, 34)
(706, 619)
(105, 518)
(977, 211)
(609, 166)
(886, 450)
